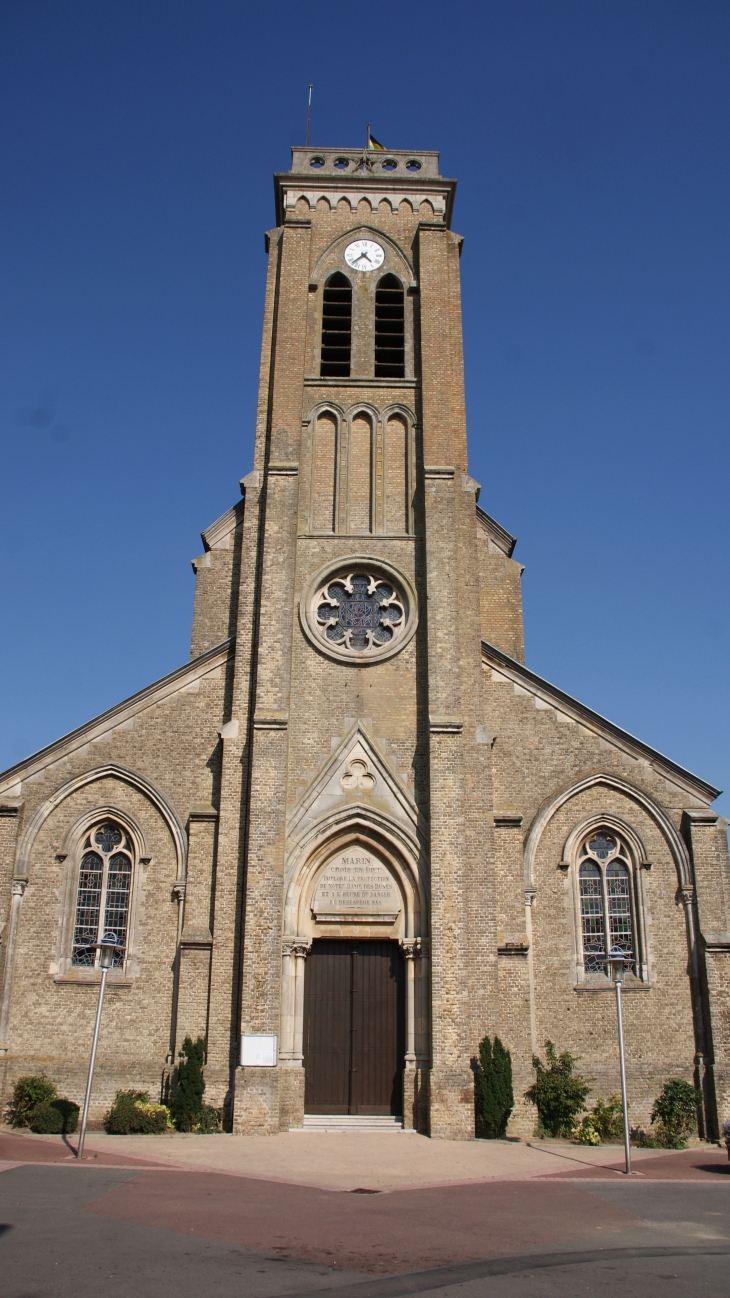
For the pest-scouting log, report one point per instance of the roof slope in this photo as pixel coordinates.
(551, 696)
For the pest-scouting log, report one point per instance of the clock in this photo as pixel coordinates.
(363, 254)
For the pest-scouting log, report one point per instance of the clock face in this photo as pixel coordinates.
(363, 254)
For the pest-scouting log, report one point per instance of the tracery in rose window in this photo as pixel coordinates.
(360, 612)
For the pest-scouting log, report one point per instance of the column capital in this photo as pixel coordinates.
(19, 887)
(412, 947)
(296, 946)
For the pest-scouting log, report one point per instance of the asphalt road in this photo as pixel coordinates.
(83, 1231)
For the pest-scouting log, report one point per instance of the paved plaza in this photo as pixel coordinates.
(368, 1215)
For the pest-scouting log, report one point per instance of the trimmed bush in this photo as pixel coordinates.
(187, 1102)
(133, 1114)
(28, 1093)
(558, 1094)
(495, 1098)
(55, 1118)
(675, 1113)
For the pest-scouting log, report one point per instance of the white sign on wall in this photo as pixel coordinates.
(357, 885)
(258, 1050)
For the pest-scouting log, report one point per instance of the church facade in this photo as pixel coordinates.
(355, 833)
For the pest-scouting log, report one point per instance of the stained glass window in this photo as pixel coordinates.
(360, 612)
(604, 880)
(102, 902)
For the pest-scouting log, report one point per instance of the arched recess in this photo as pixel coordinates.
(362, 425)
(658, 815)
(108, 772)
(325, 424)
(398, 471)
(633, 841)
(339, 243)
(355, 825)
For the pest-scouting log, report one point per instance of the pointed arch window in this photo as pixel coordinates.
(606, 901)
(102, 899)
(336, 327)
(390, 341)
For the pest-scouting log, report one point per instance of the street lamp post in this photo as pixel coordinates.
(617, 963)
(107, 948)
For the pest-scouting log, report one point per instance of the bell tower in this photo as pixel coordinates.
(356, 779)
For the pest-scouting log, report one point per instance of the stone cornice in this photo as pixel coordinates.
(116, 716)
(550, 696)
(496, 533)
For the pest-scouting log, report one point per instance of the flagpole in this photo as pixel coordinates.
(309, 114)
(367, 142)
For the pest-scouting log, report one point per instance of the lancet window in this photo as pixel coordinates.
(102, 900)
(606, 901)
(336, 327)
(390, 327)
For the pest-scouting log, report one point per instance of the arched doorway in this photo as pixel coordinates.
(355, 971)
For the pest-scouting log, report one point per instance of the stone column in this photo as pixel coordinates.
(17, 892)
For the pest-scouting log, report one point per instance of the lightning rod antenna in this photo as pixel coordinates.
(309, 114)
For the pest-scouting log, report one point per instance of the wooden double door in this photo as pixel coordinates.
(354, 1027)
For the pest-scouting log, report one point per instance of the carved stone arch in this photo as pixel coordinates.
(364, 823)
(398, 408)
(604, 821)
(362, 407)
(364, 231)
(75, 833)
(665, 825)
(108, 771)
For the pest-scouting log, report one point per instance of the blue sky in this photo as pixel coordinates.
(591, 144)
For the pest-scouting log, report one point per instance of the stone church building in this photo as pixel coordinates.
(355, 833)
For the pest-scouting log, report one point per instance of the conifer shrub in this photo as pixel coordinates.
(55, 1118)
(675, 1113)
(133, 1114)
(29, 1092)
(558, 1093)
(494, 1095)
(187, 1103)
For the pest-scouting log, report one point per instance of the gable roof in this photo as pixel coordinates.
(550, 696)
(177, 680)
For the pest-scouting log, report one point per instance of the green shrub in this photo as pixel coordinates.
(187, 1103)
(494, 1097)
(675, 1113)
(209, 1120)
(55, 1118)
(29, 1092)
(557, 1093)
(587, 1133)
(605, 1122)
(132, 1113)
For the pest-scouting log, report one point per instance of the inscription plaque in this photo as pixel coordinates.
(356, 885)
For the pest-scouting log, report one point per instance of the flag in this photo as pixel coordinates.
(375, 144)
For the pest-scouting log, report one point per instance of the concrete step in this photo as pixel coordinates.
(349, 1122)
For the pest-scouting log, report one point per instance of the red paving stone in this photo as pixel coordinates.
(375, 1233)
(706, 1164)
(54, 1149)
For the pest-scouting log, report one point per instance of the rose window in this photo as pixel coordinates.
(359, 610)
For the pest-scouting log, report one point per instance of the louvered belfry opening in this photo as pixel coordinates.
(390, 339)
(354, 1028)
(336, 327)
